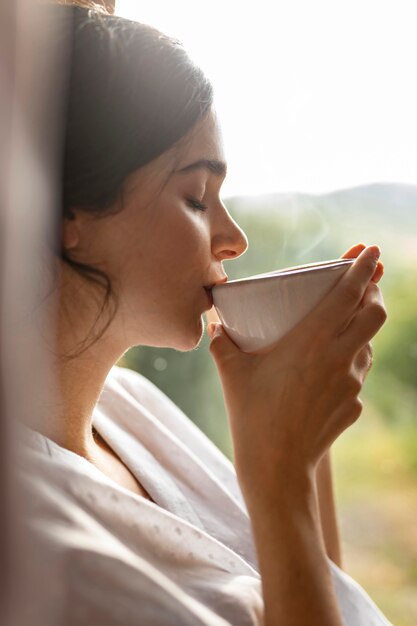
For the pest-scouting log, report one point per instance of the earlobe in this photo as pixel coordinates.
(70, 232)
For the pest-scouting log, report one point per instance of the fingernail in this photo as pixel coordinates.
(376, 252)
(214, 330)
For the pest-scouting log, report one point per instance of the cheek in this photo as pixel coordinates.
(166, 244)
(184, 269)
(182, 238)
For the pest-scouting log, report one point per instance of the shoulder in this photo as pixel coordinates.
(126, 385)
(128, 382)
(140, 392)
(135, 383)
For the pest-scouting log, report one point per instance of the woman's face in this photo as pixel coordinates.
(165, 246)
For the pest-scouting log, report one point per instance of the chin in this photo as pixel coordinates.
(191, 338)
(184, 339)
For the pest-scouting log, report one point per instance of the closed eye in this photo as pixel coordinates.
(195, 204)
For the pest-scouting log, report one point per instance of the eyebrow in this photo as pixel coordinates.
(218, 168)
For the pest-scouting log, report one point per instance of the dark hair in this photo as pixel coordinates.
(133, 92)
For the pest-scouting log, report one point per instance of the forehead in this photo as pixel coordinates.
(204, 142)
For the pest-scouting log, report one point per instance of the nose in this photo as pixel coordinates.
(228, 240)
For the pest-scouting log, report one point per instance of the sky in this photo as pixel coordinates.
(312, 95)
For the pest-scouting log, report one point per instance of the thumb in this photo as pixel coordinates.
(222, 348)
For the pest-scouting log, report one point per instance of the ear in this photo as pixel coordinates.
(71, 230)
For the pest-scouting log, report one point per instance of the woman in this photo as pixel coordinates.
(148, 519)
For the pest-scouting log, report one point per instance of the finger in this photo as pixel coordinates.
(355, 251)
(367, 321)
(338, 307)
(363, 362)
(223, 350)
(367, 299)
(379, 272)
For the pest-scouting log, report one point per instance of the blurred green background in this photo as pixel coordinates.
(375, 461)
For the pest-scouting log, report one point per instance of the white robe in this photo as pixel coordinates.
(189, 559)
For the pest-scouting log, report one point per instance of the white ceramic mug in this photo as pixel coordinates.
(258, 310)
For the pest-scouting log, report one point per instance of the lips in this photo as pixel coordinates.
(209, 287)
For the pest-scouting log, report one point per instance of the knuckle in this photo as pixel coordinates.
(345, 362)
(372, 293)
(353, 386)
(364, 360)
(373, 288)
(356, 410)
(370, 355)
(352, 412)
(379, 313)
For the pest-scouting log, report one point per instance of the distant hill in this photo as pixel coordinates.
(395, 203)
(380, 213)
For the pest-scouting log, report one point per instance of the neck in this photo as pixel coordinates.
(77, 382)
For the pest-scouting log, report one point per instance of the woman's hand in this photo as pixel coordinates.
(287, 404)
(364, 359)
(355, 251)
(324, 479)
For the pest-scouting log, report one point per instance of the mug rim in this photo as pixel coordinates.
(298, 269)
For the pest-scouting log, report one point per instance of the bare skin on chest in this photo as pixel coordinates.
(107, 461)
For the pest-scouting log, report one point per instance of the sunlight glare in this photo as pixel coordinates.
(312, 96)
